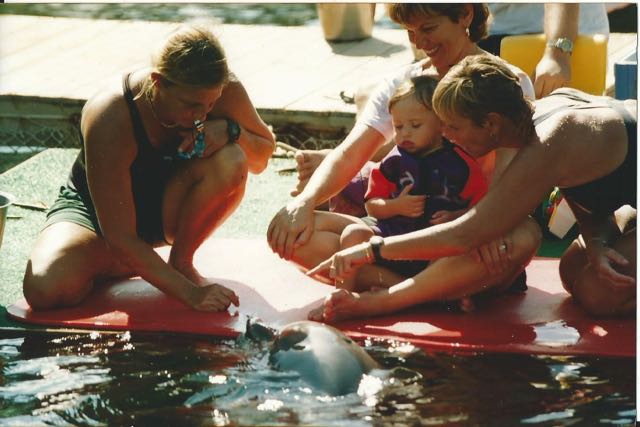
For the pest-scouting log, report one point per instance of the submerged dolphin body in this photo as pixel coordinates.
(324, 357)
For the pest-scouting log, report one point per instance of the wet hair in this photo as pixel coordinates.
(479, 85)
(421, 88)
(191, 56)
(403, 13)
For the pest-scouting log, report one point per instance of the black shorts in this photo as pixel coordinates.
(71, 207)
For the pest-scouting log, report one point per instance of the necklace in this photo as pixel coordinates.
(153, 111)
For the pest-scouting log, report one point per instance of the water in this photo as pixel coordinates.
(267, 13)
(128, 379)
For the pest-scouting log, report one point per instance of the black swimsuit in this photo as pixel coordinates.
(150, 172)
(606, 194)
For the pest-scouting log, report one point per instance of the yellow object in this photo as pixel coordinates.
(588, 61)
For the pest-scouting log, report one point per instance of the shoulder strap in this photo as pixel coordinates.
(136, 119)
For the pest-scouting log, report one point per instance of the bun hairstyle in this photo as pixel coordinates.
(190, 56)
(479, 85)
(403, 13)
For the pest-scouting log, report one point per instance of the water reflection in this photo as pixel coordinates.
(123, 379)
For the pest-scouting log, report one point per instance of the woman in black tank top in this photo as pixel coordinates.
(584, 144)
(165, 158)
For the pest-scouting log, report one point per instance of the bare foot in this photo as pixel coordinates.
(306, 163)
(190, 272)
(340, 305)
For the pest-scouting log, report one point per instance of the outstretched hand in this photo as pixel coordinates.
(212, 297)
(342, 264)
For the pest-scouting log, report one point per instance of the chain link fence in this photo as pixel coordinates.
(30, 125)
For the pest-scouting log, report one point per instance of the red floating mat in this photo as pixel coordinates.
(544, 320)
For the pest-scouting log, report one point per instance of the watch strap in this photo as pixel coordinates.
(376, 244)
(562, 43)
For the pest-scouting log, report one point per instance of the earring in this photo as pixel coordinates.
(467, 31)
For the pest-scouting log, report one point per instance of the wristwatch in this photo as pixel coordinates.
(376, 243)
(562, 43)
(233, 130)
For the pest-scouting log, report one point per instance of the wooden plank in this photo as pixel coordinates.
(290, 71)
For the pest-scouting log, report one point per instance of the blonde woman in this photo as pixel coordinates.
(584, 144)
(165, 156)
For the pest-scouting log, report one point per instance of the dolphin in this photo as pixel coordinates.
(324, 357)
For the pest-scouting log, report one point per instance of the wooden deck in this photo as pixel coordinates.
(290, 70)
(291, 73)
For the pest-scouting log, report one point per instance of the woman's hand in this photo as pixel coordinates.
(495, 255)
(215, 137)
(212, 297)
(602, 259)
(344, 263)
(291, 228)
(551, 73)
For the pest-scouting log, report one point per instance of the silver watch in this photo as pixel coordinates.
(562, 43)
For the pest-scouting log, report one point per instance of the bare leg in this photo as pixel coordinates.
(446, 279)
(198, 199)
(64, 265)
(325, 239)
(581, 281)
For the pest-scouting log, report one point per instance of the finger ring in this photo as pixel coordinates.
(503, 247)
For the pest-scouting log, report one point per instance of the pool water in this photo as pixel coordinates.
(136, 379)
(250, 13)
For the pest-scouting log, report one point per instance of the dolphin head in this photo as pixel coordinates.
(324, 357)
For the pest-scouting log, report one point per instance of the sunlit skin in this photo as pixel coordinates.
(445, 42)
(181, 104)
(417, 128)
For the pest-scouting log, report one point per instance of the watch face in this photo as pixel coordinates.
(563, 45)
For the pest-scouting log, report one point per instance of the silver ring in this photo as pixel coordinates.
(502, 247)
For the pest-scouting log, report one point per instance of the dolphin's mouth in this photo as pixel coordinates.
(287, 341)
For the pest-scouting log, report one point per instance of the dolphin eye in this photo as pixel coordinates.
(348, 340)
(298, 347)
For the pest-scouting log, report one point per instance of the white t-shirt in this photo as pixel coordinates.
(376, 111)
(527, 18)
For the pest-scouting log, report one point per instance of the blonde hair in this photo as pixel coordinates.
(190, 56)
(403, 13)
(479, 85)
(421, 88)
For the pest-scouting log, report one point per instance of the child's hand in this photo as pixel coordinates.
(407, 205)
(441, 217)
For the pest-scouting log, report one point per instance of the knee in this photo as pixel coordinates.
(38, 289)
(597, 299)
(354, 234)
(47, 289)
(572, 262)
(527, 240)
(231, 169)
